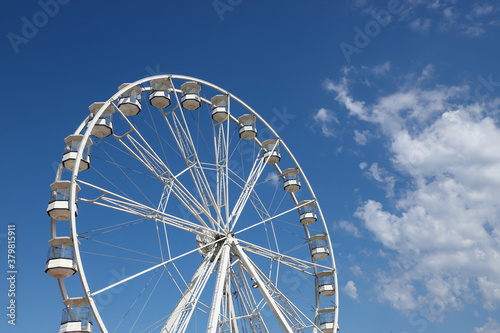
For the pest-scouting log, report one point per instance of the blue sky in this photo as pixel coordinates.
(392, 112)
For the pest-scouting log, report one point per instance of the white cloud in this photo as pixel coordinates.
(361, 138)
(421, 25)
(272, 178)
(356, 270)
(325, 118)
(381, 69)
(351, 290)
(426, 73)
(354, 107)
(350, 228)
(363, 165)
(483, 9)
(473, 31)
(392, 112)
(467, 20)
(492, 326)
(379, 175)
(443, 231)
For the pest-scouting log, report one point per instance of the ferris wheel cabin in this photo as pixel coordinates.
(160, 93)
(104, 125)
(58, 207)
(71, 151)
(190, 95)
(76, 317)
(248, 129)
(272, 154)
(219, 108)
(291, 181)
(130, 101)
(307, 212)
(60, 263)
(319, 249)
(325, 283)
(327, 319)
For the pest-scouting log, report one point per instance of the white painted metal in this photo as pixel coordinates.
(291, 181)
(213, 320)
(249, 267)
(160, 96)
(248, 130)
(75, 327)
(272, 154)
(190, 96)
(70, 153)
(104, 126)
(219, 108)
(187, 296)
(221, 222)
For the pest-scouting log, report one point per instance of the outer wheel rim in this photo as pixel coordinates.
(90, 124)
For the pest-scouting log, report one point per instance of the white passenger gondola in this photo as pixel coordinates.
(272, 153)
(319, 248)
(307, 212)
(291, 181)
(160, 93)
(60, 262)
(76, 317)
(219, 108)
(190, 95)
(327, 319)
(248, 129)
(104, 125)
(71, 150)
(58, 207)
(130, 101)
(326, 286)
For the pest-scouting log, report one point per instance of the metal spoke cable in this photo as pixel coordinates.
(112, 228)
(122, 166)
(135, 301)
(200, 133)
(157, 134)
(120, 247)
(147, 301)
(116, 257)
(131, 181)
(112, 184)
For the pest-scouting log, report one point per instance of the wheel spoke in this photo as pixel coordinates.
(142, 151)
(213, 320)
(301, 265)
(179, 318)
(117, 202)
(252, 271)
(266, 220)
(146, 270)
(182, 135)
(249, 308)
(257, 169)
(221, 162)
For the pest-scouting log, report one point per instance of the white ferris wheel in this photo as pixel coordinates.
(177, 208)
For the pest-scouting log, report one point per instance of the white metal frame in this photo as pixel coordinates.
(231, 246)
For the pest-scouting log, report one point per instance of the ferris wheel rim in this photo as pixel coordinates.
(90, 123)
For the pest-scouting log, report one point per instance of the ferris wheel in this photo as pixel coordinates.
(177, 208)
